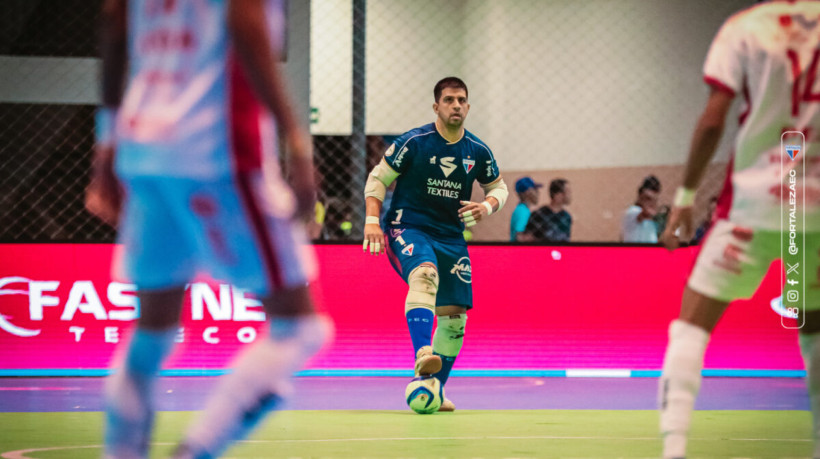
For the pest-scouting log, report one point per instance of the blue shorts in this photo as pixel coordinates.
(407, 248)
(231, 228)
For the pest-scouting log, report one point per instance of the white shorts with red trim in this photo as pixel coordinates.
(175, 228)
(734, 260)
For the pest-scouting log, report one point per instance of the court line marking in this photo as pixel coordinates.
(21, 454)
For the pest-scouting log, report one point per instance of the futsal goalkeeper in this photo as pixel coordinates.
(434, 167)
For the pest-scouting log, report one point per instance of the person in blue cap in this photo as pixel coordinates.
(527, 191)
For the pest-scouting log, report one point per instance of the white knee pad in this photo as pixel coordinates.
(449, 334)
(423, 282)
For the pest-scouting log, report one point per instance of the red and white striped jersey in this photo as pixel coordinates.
(770, 55)
(188, 109)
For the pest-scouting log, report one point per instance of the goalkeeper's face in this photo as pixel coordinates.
(452, 107)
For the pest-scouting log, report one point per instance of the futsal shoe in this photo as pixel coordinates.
(447, 405)
(427, 363)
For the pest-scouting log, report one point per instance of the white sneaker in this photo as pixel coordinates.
(447, 405)
(427, 363)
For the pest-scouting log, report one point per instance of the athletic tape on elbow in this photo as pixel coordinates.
(449, 335)
(423, 283)
(373, 188)
(680, 382)
(499, 192)
(378, 180)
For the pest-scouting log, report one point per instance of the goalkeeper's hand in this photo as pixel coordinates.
(473, 212)
(373, 239)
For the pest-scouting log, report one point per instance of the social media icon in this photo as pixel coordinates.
(792, 296)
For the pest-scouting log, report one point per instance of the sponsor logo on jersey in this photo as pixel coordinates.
(793, 151)
(390, 150)
(443, 187)
(400, 157)
(468, 164)
(463, 270)
(407, 250)
(447, 165)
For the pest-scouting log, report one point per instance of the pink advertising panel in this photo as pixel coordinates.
(536, 308)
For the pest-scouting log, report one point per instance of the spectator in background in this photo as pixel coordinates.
(527, 191)
(660, 219)
(707, 224)
(552, 223)
(638, 224)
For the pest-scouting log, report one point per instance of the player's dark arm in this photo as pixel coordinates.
(113, 50)
(708, 132)
(705, 139)
(248, 27)
(104, 195)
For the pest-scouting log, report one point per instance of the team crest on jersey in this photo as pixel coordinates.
(468, 164)
(390, 150)
(407, 250)
(793, 151)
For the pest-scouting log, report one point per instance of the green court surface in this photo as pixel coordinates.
(463, 434)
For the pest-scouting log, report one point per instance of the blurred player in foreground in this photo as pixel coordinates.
(434, 167)
(769, 54)
(189, 136)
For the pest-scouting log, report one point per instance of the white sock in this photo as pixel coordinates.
(260, 380)
(810, 349)
(129, 391)
(679, 384)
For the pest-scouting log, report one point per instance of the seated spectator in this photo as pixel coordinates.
(551, 223)
(527, 191)
(638, 224)
(707, 224)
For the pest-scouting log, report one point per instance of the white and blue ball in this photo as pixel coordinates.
(424, 394)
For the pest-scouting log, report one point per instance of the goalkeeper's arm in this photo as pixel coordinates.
(374, 191)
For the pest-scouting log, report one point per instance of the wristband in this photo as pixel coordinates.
(684, 197)
(371, 220)
(488, 206)
(105, 129)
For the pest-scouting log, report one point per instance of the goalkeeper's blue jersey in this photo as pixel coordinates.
(434, 176)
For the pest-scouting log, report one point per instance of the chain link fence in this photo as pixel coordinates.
(601, 93)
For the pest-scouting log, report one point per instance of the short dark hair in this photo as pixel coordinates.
(650, 183)
(449, 82)
(557, 186)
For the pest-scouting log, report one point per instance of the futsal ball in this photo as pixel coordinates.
(423, 394)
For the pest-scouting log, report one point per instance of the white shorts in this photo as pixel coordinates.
(734, 260)
(175, 228)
